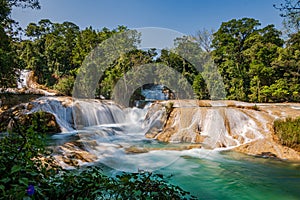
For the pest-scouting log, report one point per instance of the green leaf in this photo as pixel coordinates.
(5, 180)
(2, 188)
(23, 181)
(15, 168)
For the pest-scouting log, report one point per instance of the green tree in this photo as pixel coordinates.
(287, 69)
(104, 65)
(244, 55)
(8, 58)
(120, 67)
(50, 51)
(290, 11)
(263, 50)
(191, 57)
(229, 43)
(86, 41)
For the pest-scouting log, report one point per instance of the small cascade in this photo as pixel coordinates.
(93, 112)
(22, 81)
(214, 127)
(155, 92)
(55, 106)
(228, 128)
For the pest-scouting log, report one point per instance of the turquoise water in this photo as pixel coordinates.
(235, 176)
(207, 174)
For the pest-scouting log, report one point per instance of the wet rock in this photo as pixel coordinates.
(16, 117)
(266, 155)
(169, 147)
(243, 127)
(260, 147)
(71, 154)
(134, 149)
(11, 100)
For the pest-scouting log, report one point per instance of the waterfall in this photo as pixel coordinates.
(93, 112)
(155, 92)
(22, 81)
(215, 127)
(228, 127)
(80, 114)
(218, 126)
(58, 108)
(129, 138)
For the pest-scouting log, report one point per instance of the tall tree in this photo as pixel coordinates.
(50, 49)
(229, 43)
(287, 68)
(8, 57)
(244, 55)
(262, 52)
(204, 39)
(290, 11)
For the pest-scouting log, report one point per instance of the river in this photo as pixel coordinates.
(116, 136)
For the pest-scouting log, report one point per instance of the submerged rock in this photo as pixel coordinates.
(267, 155)
(70, 154)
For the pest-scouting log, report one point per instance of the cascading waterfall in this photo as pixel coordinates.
(22, 81)
(62, 114)
(213, 127)
(80, 114)
(115, 137)
(92, 112)
(129, 138)
(104, 128)
(227, 128)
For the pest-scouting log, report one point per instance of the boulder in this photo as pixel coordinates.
(16, 117)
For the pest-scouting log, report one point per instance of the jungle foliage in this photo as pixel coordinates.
(28, 171)
(240, 61)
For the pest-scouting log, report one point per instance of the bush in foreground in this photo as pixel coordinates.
(29, 172)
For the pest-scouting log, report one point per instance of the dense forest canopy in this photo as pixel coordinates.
(255, 63)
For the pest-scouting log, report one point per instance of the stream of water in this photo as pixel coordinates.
(117, 137)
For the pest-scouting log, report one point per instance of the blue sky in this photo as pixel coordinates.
(185, 16)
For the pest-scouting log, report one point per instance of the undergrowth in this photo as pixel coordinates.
(29, 172)
(288, 132)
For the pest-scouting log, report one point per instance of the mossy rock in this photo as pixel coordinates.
(46, 122)
(16, 118)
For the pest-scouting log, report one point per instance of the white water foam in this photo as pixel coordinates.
(22, 81)
(108, 131)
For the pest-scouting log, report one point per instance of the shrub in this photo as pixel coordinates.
(169, 108)
(65, 85)
(90, 183)
(288, 132)
(25, 163)
(29, 172)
